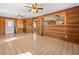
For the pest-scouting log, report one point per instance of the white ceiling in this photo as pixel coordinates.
(12, 9)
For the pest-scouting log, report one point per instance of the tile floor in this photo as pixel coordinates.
(32, 44)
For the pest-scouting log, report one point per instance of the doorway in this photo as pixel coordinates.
(9, 26)
(34, 25)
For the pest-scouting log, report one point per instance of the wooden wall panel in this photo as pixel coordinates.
(2, 25)
(72, 15)
(59, 31)
(73, 21)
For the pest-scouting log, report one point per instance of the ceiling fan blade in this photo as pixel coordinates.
(40, 8)
(28, 6)
(30, 10)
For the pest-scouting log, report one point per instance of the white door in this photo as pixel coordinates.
(9, 26)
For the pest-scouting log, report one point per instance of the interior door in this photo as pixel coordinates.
(19, 26)
(29, 25)
(9, 26)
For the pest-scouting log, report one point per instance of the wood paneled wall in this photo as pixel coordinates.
(20, 25)
(68, 31)
(72, 19)
(28, 25)
(59, 31)
(2, 25)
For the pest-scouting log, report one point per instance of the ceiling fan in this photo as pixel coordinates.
(34, 7)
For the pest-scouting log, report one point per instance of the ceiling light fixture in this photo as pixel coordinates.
(35, 7)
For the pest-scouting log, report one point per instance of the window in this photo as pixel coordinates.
(56, 19)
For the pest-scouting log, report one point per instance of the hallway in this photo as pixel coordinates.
(32, 44)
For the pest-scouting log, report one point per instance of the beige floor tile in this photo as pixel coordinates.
(33, 44)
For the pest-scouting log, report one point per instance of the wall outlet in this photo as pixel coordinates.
(66, 36)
